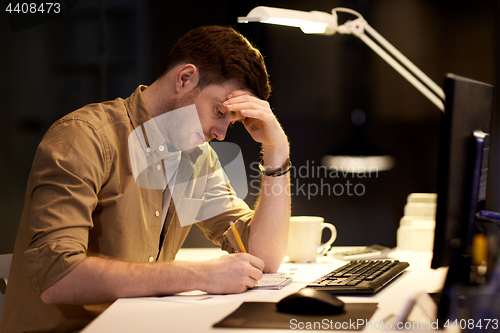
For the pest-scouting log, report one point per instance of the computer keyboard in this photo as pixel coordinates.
(364, 277)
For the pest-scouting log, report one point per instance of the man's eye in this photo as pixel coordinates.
(219, 112)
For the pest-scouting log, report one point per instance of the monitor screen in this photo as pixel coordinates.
(462, 166)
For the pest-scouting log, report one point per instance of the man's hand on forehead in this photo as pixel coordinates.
(243, 100)
(258, 118)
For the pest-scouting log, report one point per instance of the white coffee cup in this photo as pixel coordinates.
(304, 238)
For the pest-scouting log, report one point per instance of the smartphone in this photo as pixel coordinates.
(376, 251)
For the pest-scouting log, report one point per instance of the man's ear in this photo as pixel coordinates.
(187, 78)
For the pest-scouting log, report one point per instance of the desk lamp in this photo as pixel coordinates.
(462, 165)
(316, 22)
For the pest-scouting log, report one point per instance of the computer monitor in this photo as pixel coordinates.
(462, 178)
(462, 166)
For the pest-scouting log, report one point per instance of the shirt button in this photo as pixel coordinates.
(151, 259)
(157, 213)
(158, 167)
(148, 150)
(161, 148)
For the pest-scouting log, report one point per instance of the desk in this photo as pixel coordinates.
(197, 313)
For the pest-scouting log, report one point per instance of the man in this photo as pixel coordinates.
(92, 232)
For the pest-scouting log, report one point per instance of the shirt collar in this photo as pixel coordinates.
(139, 114)
(137, 108)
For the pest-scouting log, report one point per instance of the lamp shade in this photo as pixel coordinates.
(313, 22)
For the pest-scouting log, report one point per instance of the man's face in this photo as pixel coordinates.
(214, 117)
(187, 127)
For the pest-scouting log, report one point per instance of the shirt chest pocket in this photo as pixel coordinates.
(187, 210)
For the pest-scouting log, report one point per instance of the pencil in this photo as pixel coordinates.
(238, 238)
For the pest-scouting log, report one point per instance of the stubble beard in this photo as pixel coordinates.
(177, 103)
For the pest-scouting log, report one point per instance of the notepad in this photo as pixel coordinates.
(273, 281)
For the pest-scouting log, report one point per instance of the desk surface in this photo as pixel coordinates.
(197, 313)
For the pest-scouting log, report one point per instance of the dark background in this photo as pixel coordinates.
(101, 50)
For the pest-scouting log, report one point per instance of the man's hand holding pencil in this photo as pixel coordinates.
(233, 273)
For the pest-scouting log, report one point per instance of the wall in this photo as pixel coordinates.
(318, 81)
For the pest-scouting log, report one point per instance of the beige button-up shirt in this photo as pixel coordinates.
(82, 199)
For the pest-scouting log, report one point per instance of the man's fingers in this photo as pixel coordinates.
(247, 98)
(253, 260)
(244, 96)
(253, 114)
(248, 105)
(242, 103)
(255, 273)
(257, 263)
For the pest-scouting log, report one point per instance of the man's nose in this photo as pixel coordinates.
(220, 132)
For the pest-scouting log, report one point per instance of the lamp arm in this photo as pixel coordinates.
(404, 72)
(324, 23)
(358, 27)
(400, 69)
(405, 61)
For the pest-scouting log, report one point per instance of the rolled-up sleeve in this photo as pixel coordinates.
(69, 168)
(221, 200)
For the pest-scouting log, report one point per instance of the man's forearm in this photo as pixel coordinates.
(97, 280)
(269, 228)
